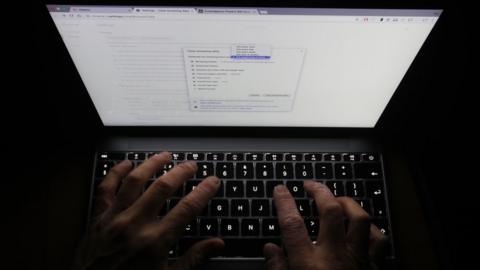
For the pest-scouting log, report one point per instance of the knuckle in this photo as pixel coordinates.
(119, 225)
(102, 189)
(188, 207)
(163, 188)
(207, 187)
(189, 167)
(333, 209)
(292, 222)
(133, 178)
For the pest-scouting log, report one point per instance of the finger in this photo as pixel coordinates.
(134, 182)
(198, 254)
(154, 198)
(294, 233)
(106, 190)
(358, 230)
(275, 257)
(330, 212)
(173, 224)
(378, 245)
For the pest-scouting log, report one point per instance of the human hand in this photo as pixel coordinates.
(359, 245)
(127, 234)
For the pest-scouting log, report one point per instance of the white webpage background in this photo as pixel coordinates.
(134, 72)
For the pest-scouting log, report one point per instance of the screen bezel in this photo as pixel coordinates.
(253, 131)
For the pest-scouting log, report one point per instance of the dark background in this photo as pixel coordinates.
(49, 119)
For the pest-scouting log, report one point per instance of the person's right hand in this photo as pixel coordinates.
(359, 245)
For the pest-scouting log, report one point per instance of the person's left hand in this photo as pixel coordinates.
(127, 234)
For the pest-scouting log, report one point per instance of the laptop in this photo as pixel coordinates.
(256, 71)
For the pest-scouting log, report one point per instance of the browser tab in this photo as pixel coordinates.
(228, 11)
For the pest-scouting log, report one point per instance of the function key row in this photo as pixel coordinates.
(346, 157)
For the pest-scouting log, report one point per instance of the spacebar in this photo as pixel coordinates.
(246, 247)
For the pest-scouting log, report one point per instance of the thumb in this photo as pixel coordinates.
(275, 257)
(198, 254)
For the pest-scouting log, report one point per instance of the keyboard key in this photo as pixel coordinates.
(172, 203)
(229, 227)
(294, 157)
(296, 188)
(220, 191)
(215, 156)
(195, 156)
(303, 207)
(147, 184)
(382, 225)
(314, 208)
(351, 157)
(304, 171)
(284, 170)
(244, 170)
(254, 157)
(271, 185)
(312, 226)
(191, 185)
(323, 171)
(179, 191)
(225, 170)
(234, 189)
(260, 208)
(355, 189)
(178, 156)
(219, 208)
(370, 157)
(374, 189)
(246, 248)
(331, 157)
(313, 157)
(270, 227)
(240, 208)
(365, 204)
(163, 210)
(103, 167)
(208, 227)
(166, 168)
(191, 228)
(172, 252)
(111, 156)
(273, 157)
(368, 170)
(136, 156)
(336, 187)
(379, 207)
(250, 227)
(264, 170)
(255, 189)
(204, 169)
(343, 170)
(235, 157)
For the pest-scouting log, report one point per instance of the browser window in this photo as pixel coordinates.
(212, 66)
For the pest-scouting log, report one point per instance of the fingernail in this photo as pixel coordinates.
(214, 180)
(126, 162)
(281, 189)
(164, 154)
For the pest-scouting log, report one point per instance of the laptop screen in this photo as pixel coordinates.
(218, 66)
